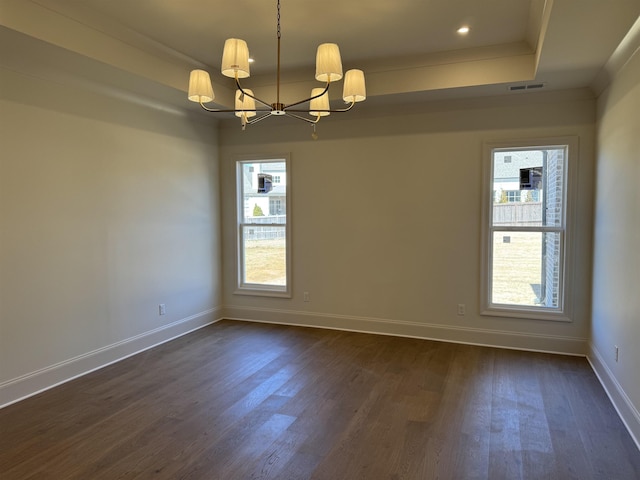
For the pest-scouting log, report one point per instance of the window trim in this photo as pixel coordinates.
(254, 289)
(564, 313)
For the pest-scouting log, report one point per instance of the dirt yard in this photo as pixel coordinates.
(517, 268)
(265, 262)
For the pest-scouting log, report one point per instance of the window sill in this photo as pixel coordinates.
(524, 313)
(262, 292)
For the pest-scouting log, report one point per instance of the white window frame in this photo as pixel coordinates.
(564, 311)
(244, 288)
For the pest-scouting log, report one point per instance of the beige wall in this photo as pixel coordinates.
(106, 210)
(616, 275)
(386, 218)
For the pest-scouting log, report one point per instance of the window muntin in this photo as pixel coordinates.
(263, 229)
(525, 230)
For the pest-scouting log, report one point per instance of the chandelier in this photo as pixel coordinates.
(235, 64)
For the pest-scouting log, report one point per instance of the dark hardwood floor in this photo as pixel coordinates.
(251, 401)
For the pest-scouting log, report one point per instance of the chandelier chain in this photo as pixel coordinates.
(278, 18)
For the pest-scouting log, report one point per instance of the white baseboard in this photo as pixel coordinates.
(470, 336)
(33, 383)
(627, 412)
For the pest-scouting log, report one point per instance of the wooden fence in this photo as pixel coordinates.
(517, 214)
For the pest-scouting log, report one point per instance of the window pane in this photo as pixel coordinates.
(526, 268)
(264, 190)
(264, 259)
(528, 187)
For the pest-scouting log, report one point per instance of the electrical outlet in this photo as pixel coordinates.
(617, 352)
(462, 309)
(162, 310)
(306, 297)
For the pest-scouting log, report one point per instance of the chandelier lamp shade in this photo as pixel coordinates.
(251, 109)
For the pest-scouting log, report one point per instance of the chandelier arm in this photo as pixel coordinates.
(218, 110)
(257, 119)
(338, 110)
(270, 107)
(308, 120)
(326, 89)
(346, 109)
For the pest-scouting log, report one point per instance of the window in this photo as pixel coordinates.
(507, 196)
(526, 250)
(276, 205)
(263, 230)
(510, 196)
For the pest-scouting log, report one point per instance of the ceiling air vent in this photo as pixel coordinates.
(531, 86)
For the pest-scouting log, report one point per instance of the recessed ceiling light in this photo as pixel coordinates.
(463, 30)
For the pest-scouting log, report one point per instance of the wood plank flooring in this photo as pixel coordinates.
(252, 401)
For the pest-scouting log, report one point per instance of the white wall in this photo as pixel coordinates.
(616, 260)
(107, 209)
(384, 240)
